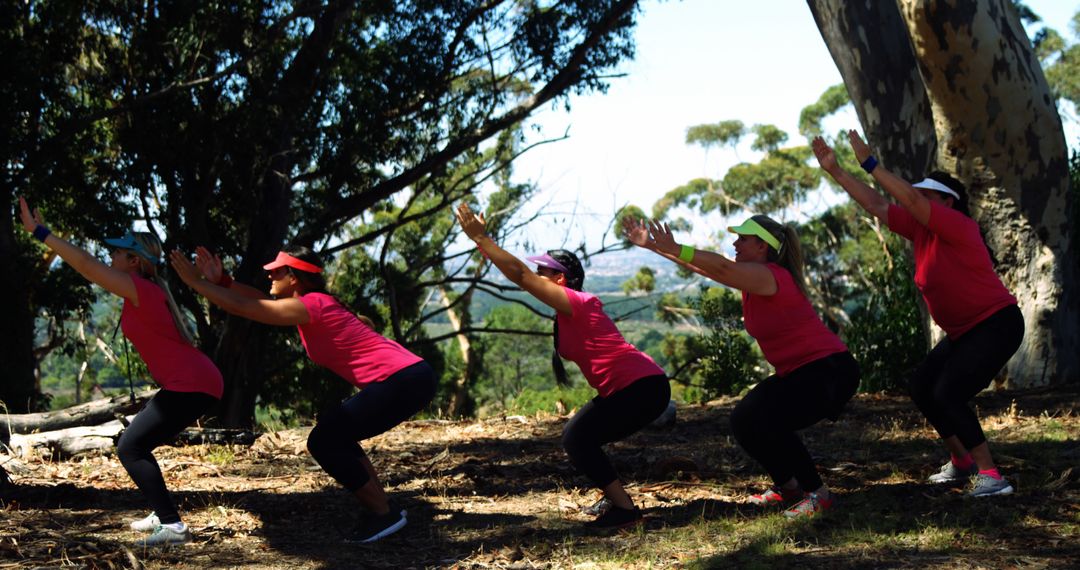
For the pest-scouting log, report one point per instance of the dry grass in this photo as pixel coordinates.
(500, 493)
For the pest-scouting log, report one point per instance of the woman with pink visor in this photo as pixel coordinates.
(190, 383)
(394, 383)
(633, 390)
(815, 374)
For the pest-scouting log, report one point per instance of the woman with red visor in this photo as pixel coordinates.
(633, 390)
(190, 383)
(815, 374)
(394, 383)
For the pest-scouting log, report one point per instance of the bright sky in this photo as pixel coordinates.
(698, 61)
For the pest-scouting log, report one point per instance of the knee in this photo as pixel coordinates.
(128, 448)
(743, 420)
(319, 441)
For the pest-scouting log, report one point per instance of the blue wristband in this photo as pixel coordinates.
(869, 164)
(41, 232)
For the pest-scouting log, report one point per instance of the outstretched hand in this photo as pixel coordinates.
(187, 271)
(862, 150)
(209, 264)
(472, 224)
(662, 237)
(826, 157)
(637, 232)
(29, 221)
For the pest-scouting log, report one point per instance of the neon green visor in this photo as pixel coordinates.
(752, 228)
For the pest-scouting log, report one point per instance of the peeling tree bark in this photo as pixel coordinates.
(996, 128)
(999, 131)
(869, 43)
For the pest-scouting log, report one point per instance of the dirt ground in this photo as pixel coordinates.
(500, 493)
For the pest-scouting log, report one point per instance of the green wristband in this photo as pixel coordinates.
(686, 253)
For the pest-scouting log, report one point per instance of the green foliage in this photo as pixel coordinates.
(533, 400)
(832, 100)
(513, 364)
(644, 281)
(730, 361)
(768, 138)
(1060, 60)
(724, 133)
(782, 178)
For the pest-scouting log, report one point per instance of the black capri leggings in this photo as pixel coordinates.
(956, 370)
(604, 420)
(765, 420)
(334, 441)
(164, 416)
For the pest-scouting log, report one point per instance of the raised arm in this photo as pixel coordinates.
(901, 190)
(637, 231)
(870, 200)
(281, 312)
(112, 280)
(547, 292)
(752, 278)
(210, 266)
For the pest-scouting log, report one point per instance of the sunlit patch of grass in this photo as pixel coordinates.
(220, 455)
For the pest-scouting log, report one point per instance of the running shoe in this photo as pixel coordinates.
(149, 524)
(598, 508)
(950, 473)
(987, 486)
(810, 506)
(374, 527)
(617, 517)
(775, 496)
(166, 535)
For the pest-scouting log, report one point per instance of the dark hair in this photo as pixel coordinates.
(961, 204)
(576, 276)
(310, 282)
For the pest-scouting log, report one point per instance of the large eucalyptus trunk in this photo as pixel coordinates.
(997, 129)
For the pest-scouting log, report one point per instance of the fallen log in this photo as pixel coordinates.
(67, 442)
(88, 414)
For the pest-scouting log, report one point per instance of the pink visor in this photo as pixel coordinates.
(285, 260)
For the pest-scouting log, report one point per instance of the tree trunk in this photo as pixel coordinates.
(461, 403)
(18, 389)
(870, 45)
(996, 128)
(1000, 133)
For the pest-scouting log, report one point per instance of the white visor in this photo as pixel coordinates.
(931, 184)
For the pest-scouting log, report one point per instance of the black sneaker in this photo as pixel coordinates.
(617, 517)
(373, 527)
(598, 508)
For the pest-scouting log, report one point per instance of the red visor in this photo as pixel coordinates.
(285, 260)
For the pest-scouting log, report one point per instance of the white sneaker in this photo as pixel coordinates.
(950, 473)
(987, 486)
(146, 525)
(165, 535)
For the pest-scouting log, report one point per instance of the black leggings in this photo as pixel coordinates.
(164, 416)
(604, 420)
(334, 441)
(956, 370)
(765, 420)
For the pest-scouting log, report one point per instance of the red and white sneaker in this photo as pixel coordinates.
(810, 506)
(775, 496)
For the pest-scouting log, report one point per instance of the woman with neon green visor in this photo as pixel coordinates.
(815, 374)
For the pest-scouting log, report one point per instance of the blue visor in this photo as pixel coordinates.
(128, 242)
